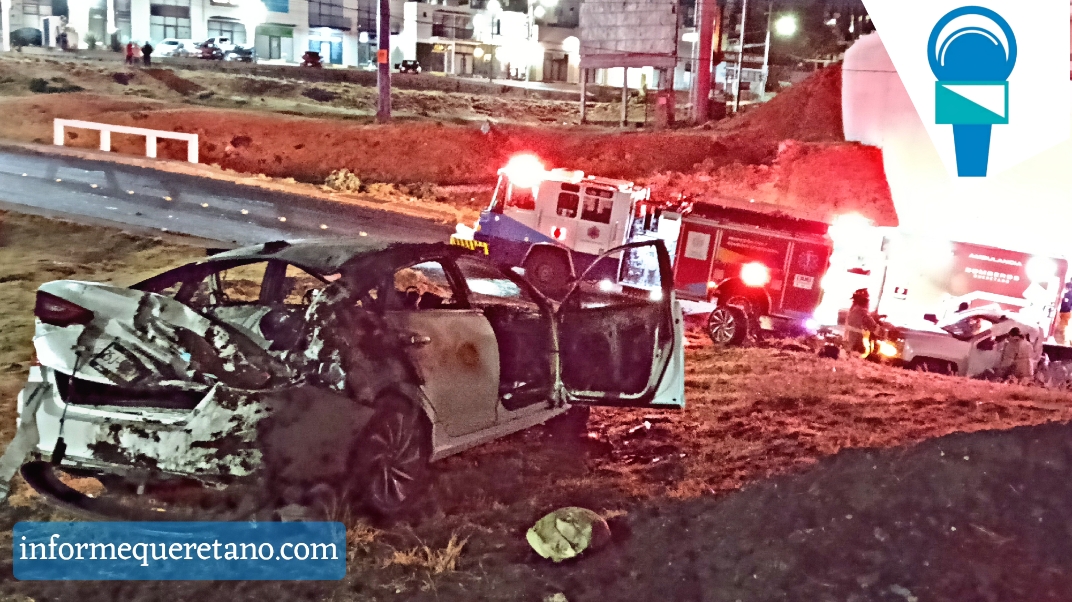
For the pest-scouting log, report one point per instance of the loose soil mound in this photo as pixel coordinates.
(807, 112)
(173, 82)
(818, 181)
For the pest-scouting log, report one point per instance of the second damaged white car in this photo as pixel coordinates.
(968, 345)
(293, 368)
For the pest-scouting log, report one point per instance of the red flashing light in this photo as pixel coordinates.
(559, 233)
(525, 171)
(755, 274)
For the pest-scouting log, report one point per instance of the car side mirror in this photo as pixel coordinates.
(930, 318)
(986, 344)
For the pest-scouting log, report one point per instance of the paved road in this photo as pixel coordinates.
(212, 209)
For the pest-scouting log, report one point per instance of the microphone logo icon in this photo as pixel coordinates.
(972, 52)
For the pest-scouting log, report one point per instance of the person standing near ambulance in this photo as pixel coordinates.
(1064, 315)
(860, 324)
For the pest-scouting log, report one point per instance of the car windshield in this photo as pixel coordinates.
(970, 326)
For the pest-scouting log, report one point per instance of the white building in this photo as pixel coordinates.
(281, 29)
(481, 40)
(461, 37)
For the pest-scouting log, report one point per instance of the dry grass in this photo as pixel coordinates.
(436, 562)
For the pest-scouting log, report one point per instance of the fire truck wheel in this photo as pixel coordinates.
(549, 272)
(727, 326)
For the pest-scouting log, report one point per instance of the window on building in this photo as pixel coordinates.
(169, 19)
(327, 13)
(37, 7)
(277, 6)
(232, 30)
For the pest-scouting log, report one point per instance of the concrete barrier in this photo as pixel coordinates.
(107, 129)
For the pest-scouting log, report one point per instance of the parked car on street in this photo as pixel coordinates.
(295, 366)
(26, 36)
(174, 47)
(969, 344)
(312, 59)
(223, 49)
(408, 67)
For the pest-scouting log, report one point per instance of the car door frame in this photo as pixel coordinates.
(385, 284)
(660, 391)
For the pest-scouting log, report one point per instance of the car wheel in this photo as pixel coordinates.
(549, 272)
(751, 316)
(727, 326)
(393, 454)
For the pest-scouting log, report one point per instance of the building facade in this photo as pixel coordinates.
(480, 39)
(474, 38)
(281, 30)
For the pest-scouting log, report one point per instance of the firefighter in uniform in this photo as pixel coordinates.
(1015, 359)
(860, 324)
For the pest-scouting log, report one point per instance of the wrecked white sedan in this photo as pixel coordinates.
(968, 345)
(286, 368)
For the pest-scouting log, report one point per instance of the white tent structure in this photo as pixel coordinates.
(1026, 208)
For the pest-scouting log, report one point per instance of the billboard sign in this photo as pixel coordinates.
(634, 33)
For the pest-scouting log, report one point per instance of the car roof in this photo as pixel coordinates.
(326, 255)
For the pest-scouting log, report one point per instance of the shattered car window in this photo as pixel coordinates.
(487, 284)
(238, 284)
(422, 286)
(298, 285)
(968, 327)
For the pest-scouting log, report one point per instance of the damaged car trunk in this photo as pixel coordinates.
(288, 368)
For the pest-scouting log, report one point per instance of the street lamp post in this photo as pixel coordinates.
(740, 58)
(528, 60)
(766, 47)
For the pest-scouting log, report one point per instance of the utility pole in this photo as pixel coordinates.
(383, 60)
(5, 17)
(766, 49)
(705, 18)
(740, 59)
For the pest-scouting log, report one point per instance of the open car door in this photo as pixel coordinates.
(621, 343)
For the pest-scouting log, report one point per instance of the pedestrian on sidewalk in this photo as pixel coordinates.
(130, 53)
(147, 53)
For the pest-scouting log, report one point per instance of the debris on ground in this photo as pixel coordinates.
(320, 95)
(567, 532)
(343, 180)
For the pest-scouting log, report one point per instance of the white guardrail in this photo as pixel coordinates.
(107, 129)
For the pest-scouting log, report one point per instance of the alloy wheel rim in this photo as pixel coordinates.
(395, 458)
(722, 326)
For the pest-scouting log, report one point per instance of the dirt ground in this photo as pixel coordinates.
(276, 127)
(787, 477)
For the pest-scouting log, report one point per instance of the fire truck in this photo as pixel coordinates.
(761, 271)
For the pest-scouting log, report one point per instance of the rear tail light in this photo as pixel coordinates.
(51, 309)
